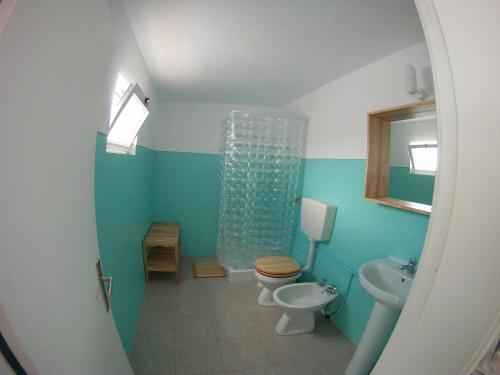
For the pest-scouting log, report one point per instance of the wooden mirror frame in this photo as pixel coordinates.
(378, 155)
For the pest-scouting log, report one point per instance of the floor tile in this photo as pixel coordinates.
(327, 342)
(310, 366)
(230, 325)
(189, 326)
(213, 327)
(148, 359)
(337, 363)
(255, 371)
(287, 349)
(198, 358)
(243, 354)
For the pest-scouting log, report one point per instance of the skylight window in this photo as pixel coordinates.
(121, 87)
(423, 158)
(128, 113)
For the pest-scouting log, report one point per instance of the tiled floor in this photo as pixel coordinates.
(208, 326)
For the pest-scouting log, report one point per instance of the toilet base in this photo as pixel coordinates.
(269, 285)
(295, 324)
(266, 297)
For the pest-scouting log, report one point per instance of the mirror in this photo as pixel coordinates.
(413, 159)
(402, 156)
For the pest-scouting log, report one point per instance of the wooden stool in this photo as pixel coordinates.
(164, 241)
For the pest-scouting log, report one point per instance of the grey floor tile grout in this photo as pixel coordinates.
(212, 327)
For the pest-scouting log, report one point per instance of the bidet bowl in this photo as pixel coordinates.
(302, 297)
(299, 302)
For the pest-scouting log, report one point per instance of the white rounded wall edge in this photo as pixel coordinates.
(6, 9)
(444, 183)
(451, 312)
(51, 311)
(16, 346)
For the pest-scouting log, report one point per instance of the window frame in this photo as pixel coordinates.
(413, 170)
(118, 148)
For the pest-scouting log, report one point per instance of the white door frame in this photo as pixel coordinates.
(442, 203)
(396, 353)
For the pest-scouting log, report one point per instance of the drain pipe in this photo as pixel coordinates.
(327, 313)
(310, 256)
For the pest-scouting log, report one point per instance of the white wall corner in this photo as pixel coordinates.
(337, 110)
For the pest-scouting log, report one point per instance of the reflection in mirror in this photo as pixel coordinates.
(413, 159)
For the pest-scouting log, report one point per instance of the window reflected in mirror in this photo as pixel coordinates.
(413, 159)
(402, 156)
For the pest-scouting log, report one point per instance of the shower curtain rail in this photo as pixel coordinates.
(270, 114)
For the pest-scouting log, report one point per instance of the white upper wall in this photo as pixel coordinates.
(338, 110)
(194, 127)
(127, 60)
(263, 52)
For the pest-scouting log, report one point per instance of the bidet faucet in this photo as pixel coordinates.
(329, 290)
(322, 283)
(411, 267)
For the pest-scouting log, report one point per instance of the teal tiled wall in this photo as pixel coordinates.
(186, 191)
(362, 231)
(124, 210)
(133, 191)
(410, 187)
(183, 187)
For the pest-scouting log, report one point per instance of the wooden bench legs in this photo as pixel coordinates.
(161, 250)
(177, 263)
(145, 258)
(162, 259)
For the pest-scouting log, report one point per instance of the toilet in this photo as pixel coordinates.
(273, 272)
(299, 303)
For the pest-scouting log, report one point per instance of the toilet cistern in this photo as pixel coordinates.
(316, 221)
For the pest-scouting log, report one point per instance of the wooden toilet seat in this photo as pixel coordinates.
(277, 266)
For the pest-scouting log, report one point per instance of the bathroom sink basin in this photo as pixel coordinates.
(389, 286)
(385, 282)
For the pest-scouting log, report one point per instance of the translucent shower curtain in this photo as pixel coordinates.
(260, 168)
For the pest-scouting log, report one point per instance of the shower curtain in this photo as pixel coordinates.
(260, 170)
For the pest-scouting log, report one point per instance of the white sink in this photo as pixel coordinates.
(389, 287)
(383, 281)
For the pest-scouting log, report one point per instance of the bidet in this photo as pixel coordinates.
(300, 302)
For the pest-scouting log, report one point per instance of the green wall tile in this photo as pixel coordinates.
(124, 210)
(362, 231)
(186, 192)
(410, 187)
(183, 187)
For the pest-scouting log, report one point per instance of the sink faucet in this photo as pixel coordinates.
(327, 289)
(411, 267)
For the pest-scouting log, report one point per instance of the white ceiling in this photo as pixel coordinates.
(264, 52)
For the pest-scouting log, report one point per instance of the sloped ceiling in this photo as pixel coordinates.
(264, 52)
